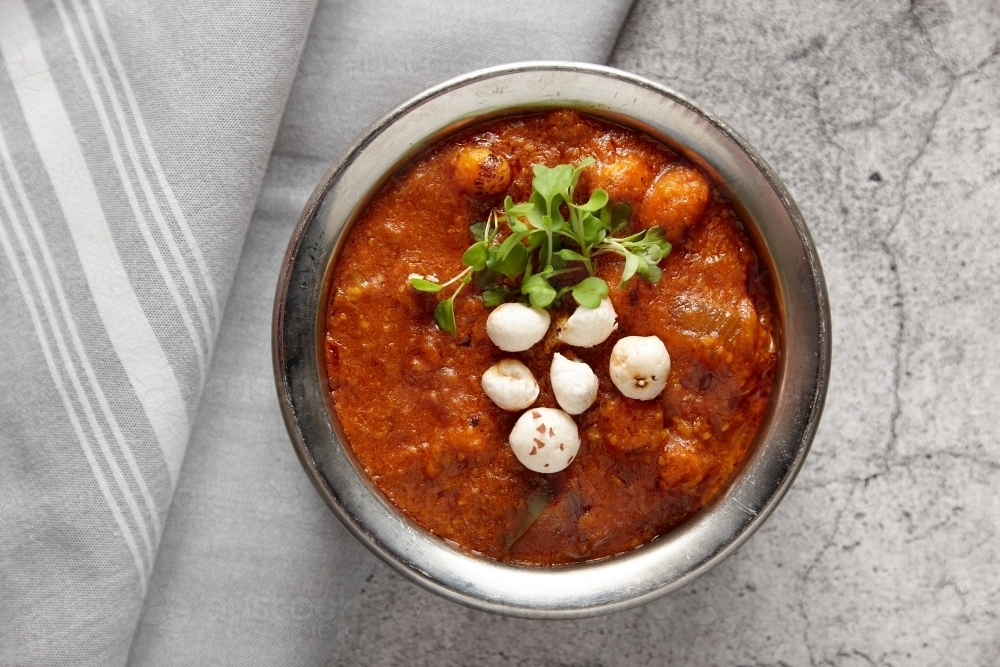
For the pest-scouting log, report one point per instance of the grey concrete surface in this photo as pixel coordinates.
(884, 121)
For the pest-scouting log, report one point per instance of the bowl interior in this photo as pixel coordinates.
(802, 334)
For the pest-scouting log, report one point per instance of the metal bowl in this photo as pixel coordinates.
(671, 560)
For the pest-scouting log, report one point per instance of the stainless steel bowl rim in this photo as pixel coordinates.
(673, 559)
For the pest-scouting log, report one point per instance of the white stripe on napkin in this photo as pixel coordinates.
(57, 380)
(69, 325)
(154, 161)
(134, 341)
(130, 194)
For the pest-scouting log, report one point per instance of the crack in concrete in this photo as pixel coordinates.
(982, 64)
(914, 13)
(897, 283)
(915, 16)
(864, 656)
(830, 543)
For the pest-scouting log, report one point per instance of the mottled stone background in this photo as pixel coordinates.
(884, 121)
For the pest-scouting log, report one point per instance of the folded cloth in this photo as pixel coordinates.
(133, 140)
(254, 569)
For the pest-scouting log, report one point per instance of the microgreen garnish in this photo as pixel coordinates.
(543, 244)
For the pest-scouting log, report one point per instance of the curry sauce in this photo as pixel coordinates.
(409, 399)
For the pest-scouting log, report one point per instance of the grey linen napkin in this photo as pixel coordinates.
(254, 569)
(133, 141)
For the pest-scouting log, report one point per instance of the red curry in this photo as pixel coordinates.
(408, 395)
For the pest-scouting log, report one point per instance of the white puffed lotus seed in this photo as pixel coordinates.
(588, 327)
(639, 366)
(545, 440)
(514, 327)
(510, 384)
(574, 383)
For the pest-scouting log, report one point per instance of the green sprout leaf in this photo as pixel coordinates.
(526, 210)
(631, 266)
(535, 239)
(550, 182)
(538, 290)
(589, 292)
(508, 244)
(571, 255)
(537, 202)
(549, 236)
(479, 230)
(580, 166)
(444, 315)
(552, 223)
(485, 278)
(475, 256)
(619, 215)
(513, 264)
(494, 295)
(593, 231)
(658, 237)
(598, 200)
(422, 285)
(650, 272)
